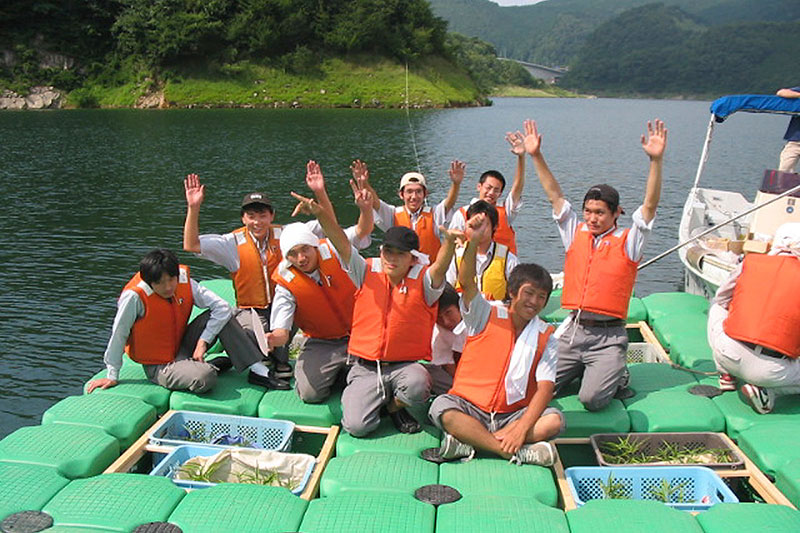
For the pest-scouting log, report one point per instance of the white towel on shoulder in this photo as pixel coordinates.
(519, 369)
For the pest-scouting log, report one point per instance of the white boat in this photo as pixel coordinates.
(711, 248)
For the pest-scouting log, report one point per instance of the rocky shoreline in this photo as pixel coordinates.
(39, 98)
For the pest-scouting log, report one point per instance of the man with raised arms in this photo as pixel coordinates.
(506, 374)
(152, 326)
(491, 185)
(599, 273)
(393, 317)
(414, 213)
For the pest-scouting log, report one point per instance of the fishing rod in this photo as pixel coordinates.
(411, 127)
(712, 228)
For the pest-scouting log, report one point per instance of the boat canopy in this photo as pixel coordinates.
(723, 107)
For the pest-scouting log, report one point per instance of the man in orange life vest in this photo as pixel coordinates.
(316, 294)
(754, 323)
(151, 326)
(394, 312)
(599, 273)
(505, 378)
(490, 187)
(494, 260)
(414, 213)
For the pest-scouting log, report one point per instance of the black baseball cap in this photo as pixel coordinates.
(603, 192)
(401, 238)
(257, 198)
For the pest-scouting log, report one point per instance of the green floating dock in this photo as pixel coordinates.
(671, 328)
(664, 304)
(224, 289)
(673, 410)
(368, 512)
(239, 508)
(74, 451)
(133, 383)
(379, 472)
(749, 518)
(771, 444)
(121, 417)
(485, 476)
(232, 395)
(740, 416)
(116, 502)
(388, 440)
(554, 313)
(27, 487)
(787, 479)
(649, 377)
(287, 405)
(582, 423)
(499, 514)
(617, 516)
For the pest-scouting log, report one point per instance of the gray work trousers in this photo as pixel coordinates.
(242, 316)
(318, 368)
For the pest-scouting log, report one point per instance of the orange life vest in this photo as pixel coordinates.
(481, 371)
(323, 311)
(425, 229)
(392, 323)
(763, 310)
(598, 279)
(252, 281)
(155, 338)
(503, 233)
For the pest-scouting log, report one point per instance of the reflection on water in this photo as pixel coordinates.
(87, 193)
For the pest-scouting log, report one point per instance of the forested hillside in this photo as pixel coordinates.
(115, 52)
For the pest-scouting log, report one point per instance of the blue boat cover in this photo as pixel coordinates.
(754, 103)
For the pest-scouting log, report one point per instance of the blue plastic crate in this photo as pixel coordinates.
(692, 488)
(170, 464)
(190, 427)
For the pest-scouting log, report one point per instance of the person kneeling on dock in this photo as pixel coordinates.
(754, 323)
(152, 326)
(506, 375)
(395, 309)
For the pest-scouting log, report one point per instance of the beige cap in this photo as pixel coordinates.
(412, 177)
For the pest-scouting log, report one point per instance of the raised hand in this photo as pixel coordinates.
(195, 191)
(457, 171)
(532, 141)
(362, 196)
(305, 206)
(655, 142)
(516, 140)
(314, 178)
(360, 173)
(478, 226)
(452, 235)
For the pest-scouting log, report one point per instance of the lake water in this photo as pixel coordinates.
(87, 193)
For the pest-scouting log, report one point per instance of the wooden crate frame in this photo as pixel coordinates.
(760, 483)
(134, 454)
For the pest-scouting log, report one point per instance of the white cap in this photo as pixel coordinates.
(412, 177)
(787, 239)
(297, 233)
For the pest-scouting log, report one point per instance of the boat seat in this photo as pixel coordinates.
(116, 502)
(74, 451)
(287, 405)
(133, 383)
(739, 416)
(771, 444)
(27, 487)
(387, 439)
(673, 410)
(369, 512)
(614, 516)
(748, 517)
(379, 472)
(494, 476)
(582, 423)
(499, 514)
(121, 417)
(241, 508)
(664, 304)
(232, 395)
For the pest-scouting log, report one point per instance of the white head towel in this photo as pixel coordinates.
(297, 233)
(787, 240)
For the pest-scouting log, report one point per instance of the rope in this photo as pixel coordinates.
(410, 127)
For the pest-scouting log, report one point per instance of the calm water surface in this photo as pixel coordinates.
(87, 193)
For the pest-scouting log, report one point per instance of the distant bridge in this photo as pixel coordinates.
(541, 72)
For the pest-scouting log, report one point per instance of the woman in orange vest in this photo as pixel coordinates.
(506, 374)
(753, 323)
(599, 273)
(414, 214)
(394, 313)
(152, 326)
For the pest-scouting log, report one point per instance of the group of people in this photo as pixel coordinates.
(447, 288)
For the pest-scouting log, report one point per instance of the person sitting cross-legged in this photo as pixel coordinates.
(506, 375)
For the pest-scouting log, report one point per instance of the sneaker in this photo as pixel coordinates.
(760, 398)
(404, 422)
(452, 448)
(221, 364)
(268, 382)
(726, 382)
(280, 369)
(626, 379)
(539, 453)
